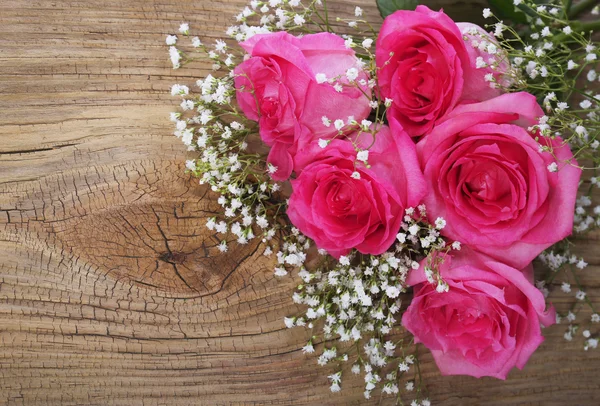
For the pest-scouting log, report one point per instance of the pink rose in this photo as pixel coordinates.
(279, 80)
(478, 46)
(339, 211)
(487, 177)
(430, 70)
(487, 323)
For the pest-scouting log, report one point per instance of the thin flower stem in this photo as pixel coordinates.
(581, 7)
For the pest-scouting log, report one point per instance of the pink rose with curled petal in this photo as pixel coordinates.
(478, 43)
(425, 68)
(487, 177)
(277, 87)
(340, 210)
(486, 323)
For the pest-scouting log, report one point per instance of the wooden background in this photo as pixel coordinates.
(111, 292)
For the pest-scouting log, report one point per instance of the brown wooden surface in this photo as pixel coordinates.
(111, 291)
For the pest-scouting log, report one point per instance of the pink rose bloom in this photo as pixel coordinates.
(279, 80)
(487, 177)
(430, 70)
(477, 44)
(486, 324)
(340, 212)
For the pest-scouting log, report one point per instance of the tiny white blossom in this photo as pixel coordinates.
(352, 74)
(592, 75)
(567, 30)
(321, 78)
(171, 39)
(308, 349)
(338, 124)
(358, 11)
(184, 28)
(323, 143)
(355, 175)
(553, 167)
(487, 13)
(565, 287)
(363, 156)
(440, 223)
(299, 20)
(367, 43)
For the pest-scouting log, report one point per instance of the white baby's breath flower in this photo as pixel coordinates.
(362, 156)
(184, 28)
(299, 20)
(440, 223)
(487, 13)
(352, 74)
(321, 78)
(171, 39)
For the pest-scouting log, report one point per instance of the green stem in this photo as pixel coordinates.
(588, 25)
(326, 16)
(578, 26)
(582, 7)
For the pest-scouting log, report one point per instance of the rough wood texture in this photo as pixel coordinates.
(111, 291)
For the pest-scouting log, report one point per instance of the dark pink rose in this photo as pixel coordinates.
(277, 87)
(487, 323)
(430, 70)
(487, 177)
(340, 212)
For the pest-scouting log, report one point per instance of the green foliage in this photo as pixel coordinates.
(507, 10)
(387, 7)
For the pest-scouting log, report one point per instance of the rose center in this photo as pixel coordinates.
(269, 107)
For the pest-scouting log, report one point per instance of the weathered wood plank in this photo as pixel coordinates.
(111, 292)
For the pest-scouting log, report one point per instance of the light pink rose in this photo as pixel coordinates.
(486, 324)
(277, 87)
(477, 43)
(340, 212)
(430, 70)
(487, 177)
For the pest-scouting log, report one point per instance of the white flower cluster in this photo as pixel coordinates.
(358, 297)
(209, 124)
(266, 16)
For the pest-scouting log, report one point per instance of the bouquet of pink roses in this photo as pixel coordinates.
(419, 156)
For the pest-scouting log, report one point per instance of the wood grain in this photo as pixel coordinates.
(111, 290)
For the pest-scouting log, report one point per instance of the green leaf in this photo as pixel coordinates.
(387, 7)
(507, 10)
